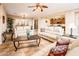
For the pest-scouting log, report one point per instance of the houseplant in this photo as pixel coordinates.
(9, 24)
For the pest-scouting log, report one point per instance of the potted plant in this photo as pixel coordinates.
(9, 24)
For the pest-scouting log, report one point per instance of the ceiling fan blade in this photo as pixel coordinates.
(34, 9)
(45, 6)
(31, 6)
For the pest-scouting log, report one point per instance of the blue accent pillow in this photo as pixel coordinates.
(28, 33)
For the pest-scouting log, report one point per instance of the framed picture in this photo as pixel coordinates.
(3, 17)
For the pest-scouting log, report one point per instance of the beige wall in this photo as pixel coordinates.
(2, 25)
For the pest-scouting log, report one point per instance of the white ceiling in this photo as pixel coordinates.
(21, 8)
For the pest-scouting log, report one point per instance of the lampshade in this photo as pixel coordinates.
(72, 26)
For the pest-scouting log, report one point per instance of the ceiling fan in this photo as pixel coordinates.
(38, 5)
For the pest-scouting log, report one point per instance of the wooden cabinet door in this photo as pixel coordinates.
(35, 24)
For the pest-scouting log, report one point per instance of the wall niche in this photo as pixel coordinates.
(60, 20)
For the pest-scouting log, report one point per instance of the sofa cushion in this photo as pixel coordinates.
(63, 42)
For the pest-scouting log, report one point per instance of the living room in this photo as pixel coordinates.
(48, 22)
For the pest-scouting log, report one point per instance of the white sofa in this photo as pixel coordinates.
(22, 31)
(52, 32)
(73, 49)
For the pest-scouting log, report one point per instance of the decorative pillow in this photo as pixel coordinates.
(63, 42)
(28, 34)
(58, 50)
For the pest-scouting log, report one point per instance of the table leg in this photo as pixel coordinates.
(36, 41)
(18, 43)
(39, 41)
(4, 39)
(15, 45)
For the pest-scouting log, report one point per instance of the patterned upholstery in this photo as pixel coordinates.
(58, 50)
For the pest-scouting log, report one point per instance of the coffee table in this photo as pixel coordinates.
(24, 38)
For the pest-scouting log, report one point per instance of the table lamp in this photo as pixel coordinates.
(72, 26)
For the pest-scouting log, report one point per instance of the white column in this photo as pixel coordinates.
(70, 19)
(77, 23)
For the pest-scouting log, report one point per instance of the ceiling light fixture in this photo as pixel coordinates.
(38, 6)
